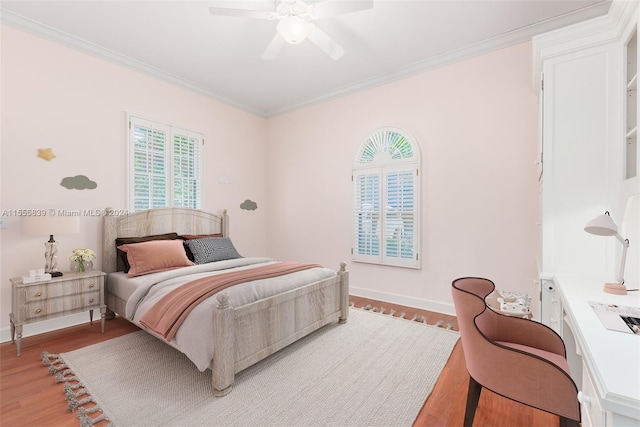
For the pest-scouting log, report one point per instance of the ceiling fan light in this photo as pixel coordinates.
(293, 29)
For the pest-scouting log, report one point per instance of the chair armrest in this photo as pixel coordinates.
(526, 332)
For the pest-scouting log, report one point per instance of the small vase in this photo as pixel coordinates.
(79, 267)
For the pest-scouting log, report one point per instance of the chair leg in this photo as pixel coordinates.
(568, 422)
(473, 395)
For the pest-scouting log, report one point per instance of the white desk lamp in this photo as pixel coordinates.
(50, 225)
(603, 225)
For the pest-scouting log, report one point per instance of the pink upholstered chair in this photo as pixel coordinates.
(517, 358)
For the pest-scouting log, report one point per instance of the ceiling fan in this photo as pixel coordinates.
(295, 22)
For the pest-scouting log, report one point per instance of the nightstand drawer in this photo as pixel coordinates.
(58, 289)
(66, 304)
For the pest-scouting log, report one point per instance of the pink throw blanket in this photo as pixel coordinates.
(166, 316)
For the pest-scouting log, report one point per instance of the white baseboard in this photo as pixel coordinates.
(49, 325)
(438, 307)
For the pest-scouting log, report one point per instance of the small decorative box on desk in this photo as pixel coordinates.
(60, 296)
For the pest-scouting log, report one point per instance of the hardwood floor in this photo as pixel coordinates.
(29, 396)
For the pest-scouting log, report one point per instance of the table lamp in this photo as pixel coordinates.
(50, 225)
(603, 225)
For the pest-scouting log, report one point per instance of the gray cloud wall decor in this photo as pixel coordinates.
(249, 205)
(78, 182)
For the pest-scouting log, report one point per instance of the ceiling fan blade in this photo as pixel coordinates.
(331, 8)
(274, 47)
(243, 13)
(325, 43)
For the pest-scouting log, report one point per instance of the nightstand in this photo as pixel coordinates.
(60, 296)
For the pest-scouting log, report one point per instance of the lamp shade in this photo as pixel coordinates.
(48, 225)
(293, 29)
(602, 225)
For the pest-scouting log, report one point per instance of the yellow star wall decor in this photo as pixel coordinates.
(46, 153)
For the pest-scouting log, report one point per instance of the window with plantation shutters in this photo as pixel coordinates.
(385, 200)
(165, 166)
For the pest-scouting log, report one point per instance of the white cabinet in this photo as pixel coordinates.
(581, 125)
(587, 86)
(586, 78)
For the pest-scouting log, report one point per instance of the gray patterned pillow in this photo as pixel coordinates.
(210, 249)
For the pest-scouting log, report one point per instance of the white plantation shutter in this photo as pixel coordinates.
(149, 159)
(165, 166)
(385, 200)
(399, 217)
(186, 169)
(366, 198)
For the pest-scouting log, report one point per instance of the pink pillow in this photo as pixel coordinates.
(154, 256)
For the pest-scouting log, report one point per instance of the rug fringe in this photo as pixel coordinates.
(87, 421)
(66, 375)
(76, 393)
(48, 358)
(416, 317)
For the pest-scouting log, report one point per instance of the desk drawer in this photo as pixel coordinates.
(590, 405)
(59, 289)
(68, 304)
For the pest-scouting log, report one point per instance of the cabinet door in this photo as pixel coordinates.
(582, 107)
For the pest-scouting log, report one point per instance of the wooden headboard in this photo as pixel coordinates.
(157, 221)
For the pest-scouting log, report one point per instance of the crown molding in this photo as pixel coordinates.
(499, 42)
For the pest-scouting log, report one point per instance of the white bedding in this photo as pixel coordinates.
(195, 336)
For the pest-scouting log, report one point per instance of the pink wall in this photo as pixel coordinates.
(476, 124)
(75, 103)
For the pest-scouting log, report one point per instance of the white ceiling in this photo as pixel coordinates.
(220, 56)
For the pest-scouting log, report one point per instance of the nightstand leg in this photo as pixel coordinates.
(13, 331)
(19, 338)
(91, 317)
(103, 317)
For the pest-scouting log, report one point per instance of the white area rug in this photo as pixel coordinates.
(374, 370)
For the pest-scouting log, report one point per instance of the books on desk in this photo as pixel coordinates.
(617, 317)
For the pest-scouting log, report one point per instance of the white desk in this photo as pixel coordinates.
(610, 359)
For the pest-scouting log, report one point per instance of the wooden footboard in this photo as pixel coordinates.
(247, 334)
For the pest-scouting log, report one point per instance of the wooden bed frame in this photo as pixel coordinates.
(242, 335)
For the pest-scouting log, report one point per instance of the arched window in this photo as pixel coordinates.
(385, 199)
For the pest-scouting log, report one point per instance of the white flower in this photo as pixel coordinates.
(82, 254)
